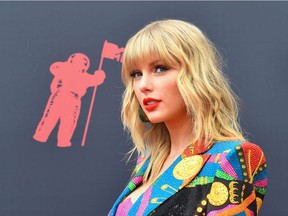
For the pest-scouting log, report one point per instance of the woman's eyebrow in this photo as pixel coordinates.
(153, 63)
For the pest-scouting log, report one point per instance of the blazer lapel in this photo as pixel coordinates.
(181, 172)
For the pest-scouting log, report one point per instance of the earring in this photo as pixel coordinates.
(142, 115)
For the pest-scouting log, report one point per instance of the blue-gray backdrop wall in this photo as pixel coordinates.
(41, 179)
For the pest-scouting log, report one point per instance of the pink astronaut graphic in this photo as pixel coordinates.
(70, 83)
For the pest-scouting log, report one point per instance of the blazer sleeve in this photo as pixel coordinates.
(241, 181)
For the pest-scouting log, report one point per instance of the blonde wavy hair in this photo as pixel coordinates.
(211, 105)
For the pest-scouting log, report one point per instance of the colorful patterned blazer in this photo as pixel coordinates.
(228, 179)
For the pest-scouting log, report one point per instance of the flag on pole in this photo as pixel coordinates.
(112, 51)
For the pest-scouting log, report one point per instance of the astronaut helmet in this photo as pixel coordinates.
(79, 61)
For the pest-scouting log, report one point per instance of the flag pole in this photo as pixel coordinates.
(91, 107)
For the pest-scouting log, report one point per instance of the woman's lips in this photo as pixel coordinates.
(150, 103)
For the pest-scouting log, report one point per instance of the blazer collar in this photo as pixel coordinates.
(181, 172)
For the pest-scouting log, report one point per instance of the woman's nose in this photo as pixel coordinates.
(145, 84)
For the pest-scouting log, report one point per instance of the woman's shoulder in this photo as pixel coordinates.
(235, 146)
(240, 159)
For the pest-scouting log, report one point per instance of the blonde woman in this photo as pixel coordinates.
(182, 116)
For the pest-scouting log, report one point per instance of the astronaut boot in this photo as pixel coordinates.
(40, 137)
(64, 143)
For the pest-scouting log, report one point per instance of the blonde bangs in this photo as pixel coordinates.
(145, 46)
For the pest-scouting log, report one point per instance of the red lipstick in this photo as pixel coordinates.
(150, 103)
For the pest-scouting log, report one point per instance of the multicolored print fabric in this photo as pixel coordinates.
(228, 179)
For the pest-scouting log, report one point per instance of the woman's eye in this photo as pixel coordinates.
(160, 69)
(135, 74)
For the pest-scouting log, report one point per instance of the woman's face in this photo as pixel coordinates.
(155, 86)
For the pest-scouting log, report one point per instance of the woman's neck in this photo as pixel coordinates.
(181, 132)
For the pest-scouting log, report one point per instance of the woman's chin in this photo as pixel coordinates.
(155, 120)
